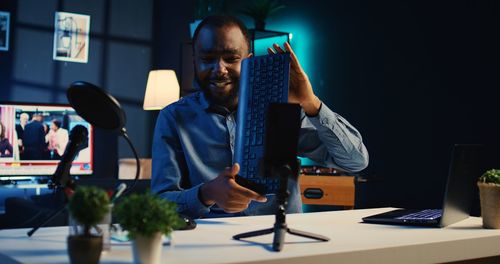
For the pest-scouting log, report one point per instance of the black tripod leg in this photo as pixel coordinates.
(48, 219)
(279, 238)
(307, 234)
(253, 233)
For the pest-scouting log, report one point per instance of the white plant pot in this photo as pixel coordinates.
(489, 194)
(147, 250)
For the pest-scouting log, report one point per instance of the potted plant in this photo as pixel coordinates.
(260, 10)
(489, 192)
(87, 207)
(147, 218)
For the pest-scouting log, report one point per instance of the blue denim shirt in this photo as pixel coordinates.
(194, 141)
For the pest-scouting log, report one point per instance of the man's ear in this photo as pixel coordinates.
(250, 55)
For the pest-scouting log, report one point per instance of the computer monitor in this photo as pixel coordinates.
(34, 137)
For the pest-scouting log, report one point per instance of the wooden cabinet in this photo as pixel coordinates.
(327, 190)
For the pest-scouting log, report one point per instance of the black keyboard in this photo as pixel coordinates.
(428, 214)
(264, 80)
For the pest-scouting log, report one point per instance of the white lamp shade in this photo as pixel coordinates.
(162, 89)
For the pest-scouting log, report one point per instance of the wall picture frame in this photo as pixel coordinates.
(71, 37)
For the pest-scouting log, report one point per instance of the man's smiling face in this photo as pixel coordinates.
(218, 53)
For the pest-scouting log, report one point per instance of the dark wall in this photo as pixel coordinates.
(415, 77)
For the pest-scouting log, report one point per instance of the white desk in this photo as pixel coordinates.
(351, 242)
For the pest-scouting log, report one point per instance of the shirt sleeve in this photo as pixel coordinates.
(169, 166)
(331, 141)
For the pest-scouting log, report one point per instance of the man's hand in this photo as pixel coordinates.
(300, 87)
(227, 194)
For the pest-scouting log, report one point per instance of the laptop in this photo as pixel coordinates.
(463, 174)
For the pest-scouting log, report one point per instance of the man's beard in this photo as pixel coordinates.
(229, 100)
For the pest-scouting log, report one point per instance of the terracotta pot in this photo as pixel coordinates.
(490, 204)
(147, 250)
(84, 249)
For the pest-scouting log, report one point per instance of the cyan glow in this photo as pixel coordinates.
(301, 36)
(306, 162)
(261, 45)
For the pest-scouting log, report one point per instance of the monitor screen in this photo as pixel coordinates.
(33, 138)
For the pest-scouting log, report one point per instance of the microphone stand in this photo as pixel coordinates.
(61, 179)
(68, 190)
(69, 186)
(123, 132)
(280, 227)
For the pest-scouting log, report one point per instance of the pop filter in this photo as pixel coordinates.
(101, 110)
(96, 106)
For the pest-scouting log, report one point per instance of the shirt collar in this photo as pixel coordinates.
(211, 107)
(203, 101)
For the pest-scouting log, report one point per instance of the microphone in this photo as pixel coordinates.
(78, 140)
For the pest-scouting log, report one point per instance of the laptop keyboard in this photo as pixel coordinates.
(428, 214)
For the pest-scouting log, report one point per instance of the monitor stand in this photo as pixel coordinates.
(280, 227)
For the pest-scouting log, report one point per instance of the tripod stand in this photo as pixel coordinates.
(280, 227)
(68, 190)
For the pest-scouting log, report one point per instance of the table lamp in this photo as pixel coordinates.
(162, 89)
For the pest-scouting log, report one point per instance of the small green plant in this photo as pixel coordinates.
(146, 214)
(88, 206)
(491, 176)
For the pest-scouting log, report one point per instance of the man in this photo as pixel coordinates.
(23, 120)
(194, 137)
(34, 138)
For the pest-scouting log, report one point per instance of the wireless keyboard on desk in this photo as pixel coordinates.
(264, 80)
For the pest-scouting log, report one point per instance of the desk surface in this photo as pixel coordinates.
(351, 242)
